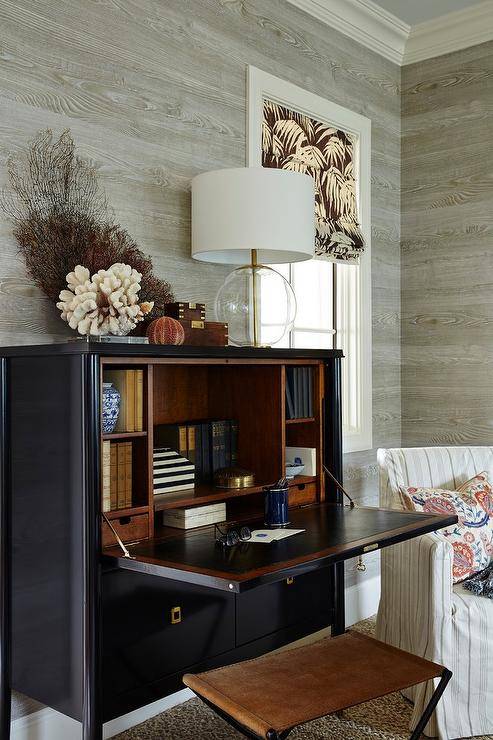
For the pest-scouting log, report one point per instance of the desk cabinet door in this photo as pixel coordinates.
(153, 627)
(272, 607)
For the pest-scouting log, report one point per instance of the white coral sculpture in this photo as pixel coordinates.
(107, 303)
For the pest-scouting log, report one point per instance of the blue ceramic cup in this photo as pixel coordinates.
(276, 507)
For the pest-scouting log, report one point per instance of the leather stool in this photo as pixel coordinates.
(269, 696)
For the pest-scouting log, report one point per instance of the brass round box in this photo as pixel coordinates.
(233, 478)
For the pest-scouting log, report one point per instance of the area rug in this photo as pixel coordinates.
(382, 719)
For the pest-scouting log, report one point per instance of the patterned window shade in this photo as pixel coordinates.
(294, 141)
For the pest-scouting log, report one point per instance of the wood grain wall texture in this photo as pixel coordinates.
(447, 249)
(154, 92)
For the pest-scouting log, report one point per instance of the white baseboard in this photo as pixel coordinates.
(362, 600)
(47, 724)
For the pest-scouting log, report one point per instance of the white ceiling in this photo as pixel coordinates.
(420, 11)
(407, 31)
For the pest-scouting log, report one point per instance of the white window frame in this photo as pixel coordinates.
(261, 85)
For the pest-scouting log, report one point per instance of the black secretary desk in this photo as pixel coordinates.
(95, 634)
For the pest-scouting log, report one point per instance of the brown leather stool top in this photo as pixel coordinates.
(268, 696)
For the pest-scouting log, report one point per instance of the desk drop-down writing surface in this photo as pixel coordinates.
(333, 533)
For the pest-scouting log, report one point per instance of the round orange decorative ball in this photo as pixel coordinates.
(165, 330)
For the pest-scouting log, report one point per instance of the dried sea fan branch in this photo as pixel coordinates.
(61, 220)
(49, 179)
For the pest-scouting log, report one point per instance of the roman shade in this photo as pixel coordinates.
(294, 141)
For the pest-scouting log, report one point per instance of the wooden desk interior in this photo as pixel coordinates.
(252, 392)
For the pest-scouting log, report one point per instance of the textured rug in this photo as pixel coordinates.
(382, 719)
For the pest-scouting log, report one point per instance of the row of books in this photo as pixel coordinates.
(299, 392)
(117, 475)
(171, 471)
(130, 383)
(208, 445)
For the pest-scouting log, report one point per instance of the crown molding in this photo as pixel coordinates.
(370, 25)
(450, 32)
(363, 21)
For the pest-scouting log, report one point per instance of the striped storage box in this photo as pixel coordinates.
(171, 471)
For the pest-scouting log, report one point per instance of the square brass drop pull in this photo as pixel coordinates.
(176, 615)
(290, 581)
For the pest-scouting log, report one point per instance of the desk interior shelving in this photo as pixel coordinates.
(251, 392)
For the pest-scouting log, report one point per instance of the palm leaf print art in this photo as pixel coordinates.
(294, 141)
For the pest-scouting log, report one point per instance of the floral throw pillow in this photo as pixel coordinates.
(472, 536)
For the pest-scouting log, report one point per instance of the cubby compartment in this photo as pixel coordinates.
(126, 466)
(300, 393)
(249, 395)
(128, 474)
(307, 432)
(132, 383)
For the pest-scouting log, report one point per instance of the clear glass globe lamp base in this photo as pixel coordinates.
(258, 304)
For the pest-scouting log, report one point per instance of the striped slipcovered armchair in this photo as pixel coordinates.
(420, 608)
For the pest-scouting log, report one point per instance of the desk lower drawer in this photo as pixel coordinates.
(153, 627)
(272, 607)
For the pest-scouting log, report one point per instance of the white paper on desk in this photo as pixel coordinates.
(272, 535)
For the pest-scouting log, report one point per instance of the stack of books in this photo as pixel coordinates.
(130, 383)
(171, 471)
(299, 392)
(117, 475)
(209, 445)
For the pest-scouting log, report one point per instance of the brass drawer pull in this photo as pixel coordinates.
(176, 615)
(290, 581)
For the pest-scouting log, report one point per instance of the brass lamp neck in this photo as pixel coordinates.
(255, 298)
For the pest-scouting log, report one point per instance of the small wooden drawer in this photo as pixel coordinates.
(302, 493)
(129, 528)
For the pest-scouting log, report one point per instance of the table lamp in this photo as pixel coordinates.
(249, 216)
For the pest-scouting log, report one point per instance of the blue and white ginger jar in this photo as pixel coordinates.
(111, 407)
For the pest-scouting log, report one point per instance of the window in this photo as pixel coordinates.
(334, 299)
(313, 284)
(328, 297)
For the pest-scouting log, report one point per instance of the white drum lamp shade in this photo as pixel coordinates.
(237, 210)
(250, 216)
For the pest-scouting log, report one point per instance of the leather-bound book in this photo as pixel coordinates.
(121, 451)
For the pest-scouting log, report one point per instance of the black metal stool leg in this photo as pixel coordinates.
(435, 698)
(271, 734)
